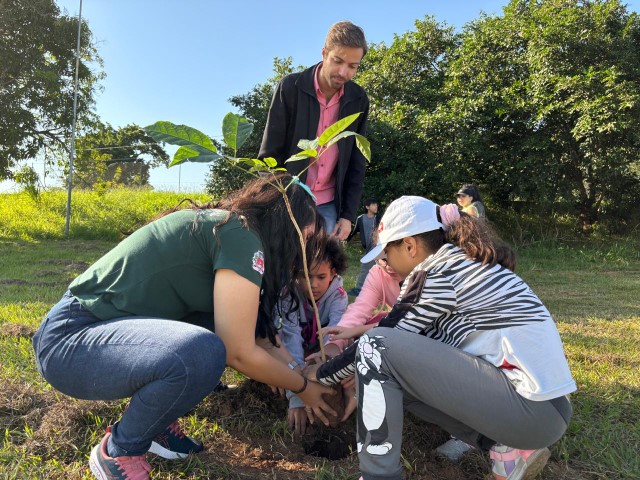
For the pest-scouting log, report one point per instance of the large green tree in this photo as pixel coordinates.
(37, 66)
(404, 83)
(254, 106)
(110, 156)
(540, 104)
(544, 103)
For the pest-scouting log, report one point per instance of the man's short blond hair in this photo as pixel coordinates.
(346, 34)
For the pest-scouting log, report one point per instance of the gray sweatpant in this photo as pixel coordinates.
(465, 395)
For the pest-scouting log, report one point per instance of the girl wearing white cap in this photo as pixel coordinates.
(468, 346)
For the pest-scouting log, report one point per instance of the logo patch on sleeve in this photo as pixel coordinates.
(258, 262)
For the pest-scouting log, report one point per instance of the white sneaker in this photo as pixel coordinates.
(453, 449)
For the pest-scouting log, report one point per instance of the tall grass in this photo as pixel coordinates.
(95, 215)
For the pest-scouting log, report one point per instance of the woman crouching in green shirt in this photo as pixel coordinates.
(159, 317)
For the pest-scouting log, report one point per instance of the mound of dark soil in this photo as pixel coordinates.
(22, 405)
(333, 443)
(16, 330)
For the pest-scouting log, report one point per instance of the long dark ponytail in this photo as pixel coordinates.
(476, 237)
(262, 208)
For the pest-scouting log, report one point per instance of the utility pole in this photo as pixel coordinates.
(72, 150)
(44, 168)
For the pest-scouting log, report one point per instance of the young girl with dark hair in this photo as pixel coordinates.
(157, 319)
(298, 325)
(468, 346)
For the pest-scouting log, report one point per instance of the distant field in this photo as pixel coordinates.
(95, 215)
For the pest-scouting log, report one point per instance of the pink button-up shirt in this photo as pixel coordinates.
(321, 176)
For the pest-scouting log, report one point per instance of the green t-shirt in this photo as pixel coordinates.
(166, 268)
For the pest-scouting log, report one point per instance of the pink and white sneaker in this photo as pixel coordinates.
(105, 467)
(512, 464)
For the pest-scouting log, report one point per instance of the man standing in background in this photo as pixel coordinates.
(304, 105)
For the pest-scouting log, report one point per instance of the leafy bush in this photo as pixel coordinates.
(28, 179)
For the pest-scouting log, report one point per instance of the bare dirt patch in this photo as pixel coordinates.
(13, 281)
(22, 405)
(250, 443)
(66, 429)
(297, 458)
(16, 330)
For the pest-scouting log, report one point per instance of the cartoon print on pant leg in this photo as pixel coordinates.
(373, 406)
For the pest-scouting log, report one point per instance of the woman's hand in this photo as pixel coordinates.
(315, 406)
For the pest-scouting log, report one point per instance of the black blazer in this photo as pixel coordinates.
(294, 115)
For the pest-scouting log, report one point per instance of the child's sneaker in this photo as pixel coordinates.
(453, 449)
(105, 467)
(221, 387)
(512, 464)
(173, 444)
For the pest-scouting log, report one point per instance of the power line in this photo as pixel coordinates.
(128, 146)
(117, 146)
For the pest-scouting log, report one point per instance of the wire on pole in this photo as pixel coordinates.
(73, 127)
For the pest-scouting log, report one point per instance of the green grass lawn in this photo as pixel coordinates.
(593, 293)
(592, 290)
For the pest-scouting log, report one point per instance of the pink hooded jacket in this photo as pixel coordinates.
(379, 292)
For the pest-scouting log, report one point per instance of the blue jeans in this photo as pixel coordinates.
(167, 367)
(329, 213)
(364, 271)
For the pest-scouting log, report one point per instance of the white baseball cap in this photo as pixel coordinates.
(404, 217)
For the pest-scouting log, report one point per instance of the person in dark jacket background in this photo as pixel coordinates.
(367, 225)
(304, 104)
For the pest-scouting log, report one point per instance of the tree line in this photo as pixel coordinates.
(539, 106)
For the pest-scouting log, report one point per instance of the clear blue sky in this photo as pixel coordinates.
(181, 60)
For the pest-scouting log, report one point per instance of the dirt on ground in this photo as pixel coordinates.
(16, 330)
(245, 437)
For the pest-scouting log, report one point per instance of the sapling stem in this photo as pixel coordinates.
(283, 190)
(184, 136)
(306, 275)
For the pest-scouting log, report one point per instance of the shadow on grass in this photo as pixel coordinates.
(244, 432)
